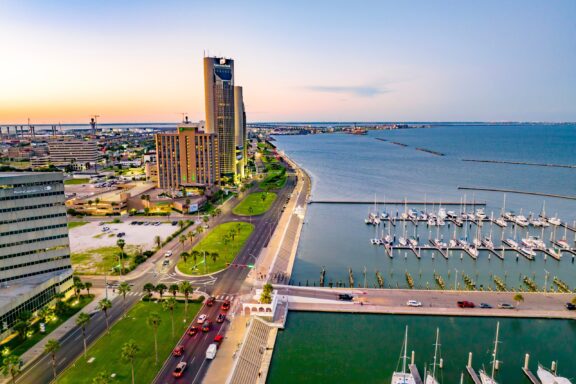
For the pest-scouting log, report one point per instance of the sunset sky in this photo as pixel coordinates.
(141, 61)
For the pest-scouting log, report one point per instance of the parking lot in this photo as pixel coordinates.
(93, 235)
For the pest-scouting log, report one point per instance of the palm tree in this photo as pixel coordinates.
(181, 224)
(195, 255)
(154, 321)
(82, 321)
(129, 351)
(190, 236)
(214, 256)
(217, 211)
(78, 287)
(161, 288)
(184, 256)
(87, 286)
(263, 196)
(123, 289)
(169, 305)
(182, 239)
(52, 346)
(149, 287)
(121, 244)
(199, 230)
(102, 377)
(11, 367)
(105, 305)
(186, 288)
(250, 210)
(158, 241)
(173, 289)
(518, 298)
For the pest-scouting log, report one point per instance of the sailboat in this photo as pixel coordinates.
(431, 378)
(403, 377)
(547, 377)
(483, 375)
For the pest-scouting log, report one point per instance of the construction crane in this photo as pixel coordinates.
(184, 116)
(93, 122)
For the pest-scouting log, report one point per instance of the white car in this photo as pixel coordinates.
(201, 319)
(168, 254)
(413, 303)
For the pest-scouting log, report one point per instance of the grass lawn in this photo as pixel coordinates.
(254, 201)
(96, 261)
(274, 180)
(215, 242)
(106, 351)
(74, 224)
(18, 346)
(76, 181)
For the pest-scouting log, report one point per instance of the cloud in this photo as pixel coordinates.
(362, 91)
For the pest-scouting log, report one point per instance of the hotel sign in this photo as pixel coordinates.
(27, 190)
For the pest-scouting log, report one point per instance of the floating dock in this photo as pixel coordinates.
(414, 372)
(530, 376)
(443, 253)
(452, 203)
(473, 375)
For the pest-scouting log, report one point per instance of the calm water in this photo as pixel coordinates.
(345, 348)
(360, 167)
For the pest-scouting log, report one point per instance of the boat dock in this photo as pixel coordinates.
(445, 254)
(414, 372)
(471, 372)
(361, 202)
(493, 252)
(548, 253)
(530, 376)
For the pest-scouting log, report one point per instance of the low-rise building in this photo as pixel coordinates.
(75, 152)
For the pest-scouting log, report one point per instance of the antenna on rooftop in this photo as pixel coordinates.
(184, 117)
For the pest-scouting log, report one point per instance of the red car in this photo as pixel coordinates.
(178, 351)
(210, 301)
(218, 339)
(179, 370)
(221, 317)
(225, 305)
(206, 326)
(193, 330)
(466, 304)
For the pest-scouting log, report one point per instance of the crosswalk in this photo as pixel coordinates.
(139, 294)
(224, 297)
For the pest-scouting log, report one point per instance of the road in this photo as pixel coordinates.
(229, 283)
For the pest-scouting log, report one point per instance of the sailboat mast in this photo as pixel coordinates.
(405, 349)
(495, 349)
(435, 352)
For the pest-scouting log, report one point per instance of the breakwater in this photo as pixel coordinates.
(518, 192)
(435, 153)
(521, 163)
(364, 202)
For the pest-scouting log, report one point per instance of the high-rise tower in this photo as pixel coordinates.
(239, 131)
(219, 99)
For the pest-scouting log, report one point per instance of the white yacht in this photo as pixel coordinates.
(452, 243)
(403, 377)
(547, 377)
(528, 251)
(501, 222)
(439, 243)
(480, 214)
(555, 252)
(555, 220)
(477, 242)
(485, 378)
(431, 377)
(488, 243)
(563, 244)
(512, 243)
(402, 241)
(442, 213)
(473, 251)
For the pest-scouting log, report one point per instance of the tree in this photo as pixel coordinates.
(182, 239)
(263, 196)
(169, 305)
(102, 377)
(205, 218)
(191, 236)
(82, 321)
(22, 328)
(123, 289)
(87, 286)
(128, 353)
(52, 346)
(104, 305)
(158, 241)
(154, 321)
(214, 256)
(173, 289)
(195, 255)
(186, 289)
(199, 230)
(518, 298)
(184, 256)
(11, 367)
(149, 288)
(78, 287)
(217, 211)
(121, 244)
(181, 224)
(250, 210)
(161, 288)
(266, 295)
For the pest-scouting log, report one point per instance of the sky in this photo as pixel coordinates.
(141, 61)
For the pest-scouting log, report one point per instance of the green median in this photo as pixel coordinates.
(216, 250)
(106, 352)
(255, 204)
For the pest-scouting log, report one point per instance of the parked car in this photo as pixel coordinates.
(178, 351)
(505, 306)
(484, 305)
(221, 317)
(345, 297)
(206, 326)
(413, 303)
(225, 305)
(201, 318)
(210, 301)
(465, 304)
(180, 368)
(570, 306)
(193, 330)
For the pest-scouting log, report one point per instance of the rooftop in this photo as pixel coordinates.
(10, 290)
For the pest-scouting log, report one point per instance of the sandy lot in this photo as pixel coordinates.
(90, 236)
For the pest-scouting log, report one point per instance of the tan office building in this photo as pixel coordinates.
(75, 152)
(188, 157)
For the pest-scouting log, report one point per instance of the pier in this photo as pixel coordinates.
(443, 253)
(414, 372)
(527, 371)
(520, 163)
(365, 202)
(471, 371)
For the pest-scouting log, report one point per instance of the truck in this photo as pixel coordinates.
(211, 351)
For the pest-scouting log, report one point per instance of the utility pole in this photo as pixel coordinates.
(94, 122)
